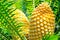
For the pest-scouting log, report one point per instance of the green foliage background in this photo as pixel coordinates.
(7, 29)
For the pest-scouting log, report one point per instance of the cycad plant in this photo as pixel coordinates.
(14, 25)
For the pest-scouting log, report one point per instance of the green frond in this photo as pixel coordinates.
(5, 34)
(6, 20)
(52, 37)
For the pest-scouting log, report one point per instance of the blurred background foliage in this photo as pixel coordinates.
(27, 6)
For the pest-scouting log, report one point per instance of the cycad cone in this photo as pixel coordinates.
(20, 17)
(42, 22)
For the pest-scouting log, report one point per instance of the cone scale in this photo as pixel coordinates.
(42, 22)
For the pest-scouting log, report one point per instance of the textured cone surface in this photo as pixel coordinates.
(20, 17)
(42, 22)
